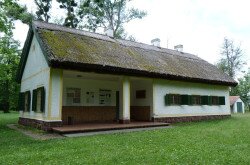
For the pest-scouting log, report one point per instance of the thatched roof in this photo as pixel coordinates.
(80, 50)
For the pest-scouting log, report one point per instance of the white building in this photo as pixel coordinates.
(71, 76)
(236, 104)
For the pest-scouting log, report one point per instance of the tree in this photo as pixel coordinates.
(231, 58)
(13, 11)
(9, 59)
(71, 19)
(243, 89)
(108, 14)
(43, 8)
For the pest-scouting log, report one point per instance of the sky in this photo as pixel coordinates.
(200, 26)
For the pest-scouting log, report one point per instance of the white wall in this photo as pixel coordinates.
(163, 87)
(144, 84)
(235, 110)
(90, 85)
(36, 74)
(56, 86)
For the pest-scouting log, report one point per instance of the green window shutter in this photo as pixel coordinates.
(21, 101)
(204, 100)
(34, 100)
(209, 100)
(29, 98)
(167, 99)
(42, 99)
(222, 100)
(216, 100)
(184, 100)
(190, 100)
(170, 99)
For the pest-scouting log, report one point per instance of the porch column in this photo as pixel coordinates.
(55, 95)
(124, 116)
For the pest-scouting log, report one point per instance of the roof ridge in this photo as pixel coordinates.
(124, 42)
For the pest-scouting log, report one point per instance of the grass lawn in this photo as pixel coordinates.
(211, 142)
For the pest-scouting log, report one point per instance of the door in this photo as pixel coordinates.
(239, 107)
(117, 105)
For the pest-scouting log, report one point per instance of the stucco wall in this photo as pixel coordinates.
(163, 87)
(36, 74)
(235, 110)
(55, 95)
(144, 84)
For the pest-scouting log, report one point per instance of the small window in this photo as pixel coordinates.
(38, 99)
(173, 99)
(204, 100)
(222, 100)
(185, 99)
(27, 101)
(196, 100)
(215, 100)
(141, 94)
(73, 96)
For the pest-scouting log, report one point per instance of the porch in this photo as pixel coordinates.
(100, 98)
(95, 127)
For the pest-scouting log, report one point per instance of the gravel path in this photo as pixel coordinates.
(35, 134)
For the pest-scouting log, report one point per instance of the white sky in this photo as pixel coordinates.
(199, 25)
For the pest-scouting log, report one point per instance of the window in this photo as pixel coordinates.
(140, 94)
(196, 100)
(27, 101)
(215, 100)
(222, 100)
(205, 100)
(172, 99)
(185, 100)
(73, 96)
(38, 99)
(104, 97)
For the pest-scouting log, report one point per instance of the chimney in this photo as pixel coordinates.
(179, 48)
(109, 32)
(156, 42)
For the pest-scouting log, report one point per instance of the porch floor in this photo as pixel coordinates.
(95, 127)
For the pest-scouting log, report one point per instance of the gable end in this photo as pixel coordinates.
(25, 52)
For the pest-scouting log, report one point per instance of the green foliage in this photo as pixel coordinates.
(9, 59)
(70, 6)
(211, 142)
(231, 58)
(43, 8)
(243, 89)
(14, 11)
(109, 14)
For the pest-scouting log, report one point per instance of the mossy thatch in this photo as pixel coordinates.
(67, 47)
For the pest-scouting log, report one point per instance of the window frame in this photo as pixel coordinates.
(38, 104)
(196, 100)
(214, 100)
(74, 97)
(174, 99)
